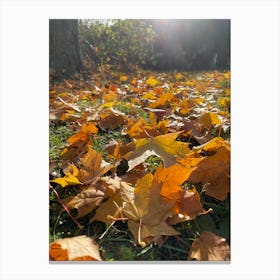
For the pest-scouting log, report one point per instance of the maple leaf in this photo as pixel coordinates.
(85, 201)
(151, 82)
(109, 210)
(78, 248)
(70, 178)
(147, 210)
(89, 127)
(188, 204)
(109, 96)
(214, 170)
(91, 169)
(78, 141)
(164, 99)
(185, 106)
(111, 119)
(209, 119)
(172, 178)
(164, 146)
(149, 96)
(209, 247)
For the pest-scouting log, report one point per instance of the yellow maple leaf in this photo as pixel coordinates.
(164, 146)
(70, 177)
(147, 210)
(152, 82)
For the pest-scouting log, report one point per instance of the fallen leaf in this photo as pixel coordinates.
(188, 205)
(209, 120)
(151, 82)
(209, 247)
(89, 127)
(91, 169)
(79, 248)
(214, 170)
(109, 210)
(85, 201)
(163, 100)
(78, 143)
(70, 178)
(171, 179)
(164, 146)
(147, 210)
(111, 119)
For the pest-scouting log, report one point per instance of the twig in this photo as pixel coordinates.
(69, 105)
(65, 207)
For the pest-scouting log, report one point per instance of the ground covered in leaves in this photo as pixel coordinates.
(140, 166)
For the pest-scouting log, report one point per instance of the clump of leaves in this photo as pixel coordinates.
(146, 175)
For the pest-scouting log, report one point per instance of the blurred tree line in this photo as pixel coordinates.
(156, 44)
(183, 44)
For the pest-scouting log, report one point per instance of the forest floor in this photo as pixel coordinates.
(108, 133)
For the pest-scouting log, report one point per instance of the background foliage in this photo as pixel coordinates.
(156, 44)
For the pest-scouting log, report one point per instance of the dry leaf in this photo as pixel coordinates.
(171, 179)
(147, 210)
(164, 146)
(209, 247)
(78, 143)
(151, 82)
(85, 201)
(209, 120)
(109, 210)
(91, 169)
(214, 170)
(70, 178)
(79, 248)
(111, 119)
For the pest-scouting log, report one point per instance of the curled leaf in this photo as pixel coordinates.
(209, 247)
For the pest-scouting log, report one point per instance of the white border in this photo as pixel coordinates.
(24, 138)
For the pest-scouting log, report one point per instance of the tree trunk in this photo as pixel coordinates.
(64, 59)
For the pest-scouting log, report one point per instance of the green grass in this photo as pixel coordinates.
(58, 134)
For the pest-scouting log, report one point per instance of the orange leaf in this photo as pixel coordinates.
(91, 169)
(110, 96)
(209, 247)
(78, 143)
(172, 178)
(79, 248)
(89, 128)
(214, 170)
(163, 100)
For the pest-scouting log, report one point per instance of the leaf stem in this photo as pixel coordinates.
(65, 207)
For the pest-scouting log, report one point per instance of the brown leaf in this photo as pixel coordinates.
(78, 142)
(209, 247)
(79, 248)
(85, 201)
(111, 119)
(109, 210)
(188, 206)
(91, 169)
